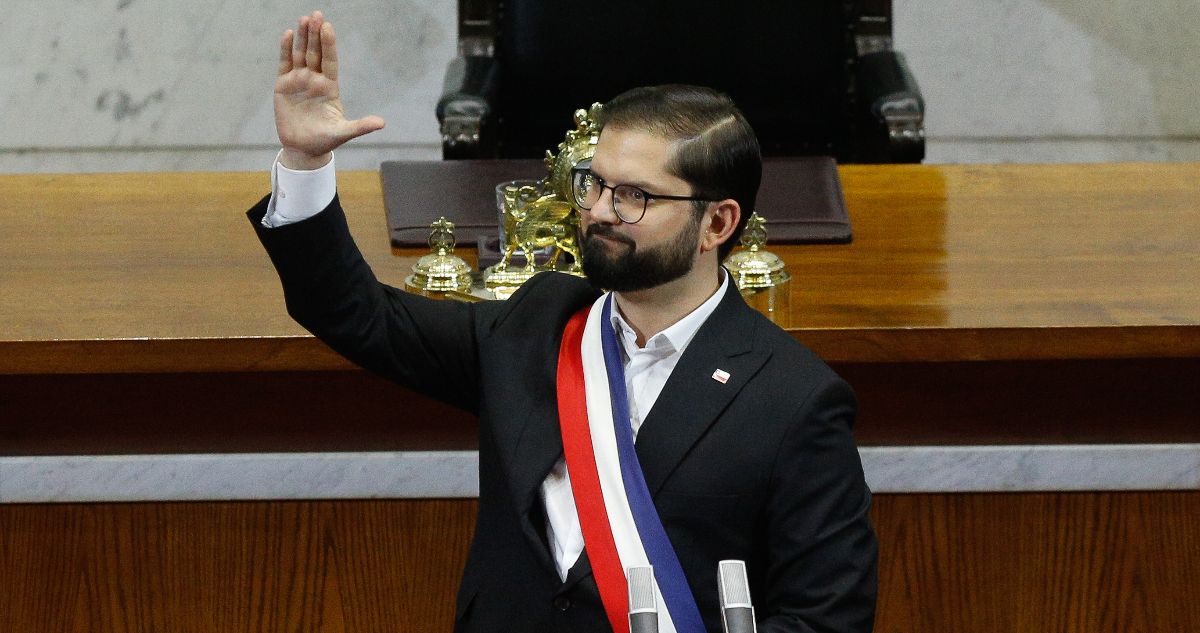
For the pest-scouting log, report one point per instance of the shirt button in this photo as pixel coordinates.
(562, 603)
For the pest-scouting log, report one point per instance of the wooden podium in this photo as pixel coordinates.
(998, 305)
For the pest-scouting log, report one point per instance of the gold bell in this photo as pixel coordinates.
(756, 268)
(441, 270)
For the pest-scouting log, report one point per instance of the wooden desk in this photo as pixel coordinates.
(998, 304)
(1077, 284)
(157, 272)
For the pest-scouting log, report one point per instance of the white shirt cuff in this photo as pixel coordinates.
(298, 195)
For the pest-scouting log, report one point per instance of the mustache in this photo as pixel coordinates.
(607, 230)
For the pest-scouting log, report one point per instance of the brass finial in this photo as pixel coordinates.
(441, 239)
(756, 268)
(755, 233)
(441, 270)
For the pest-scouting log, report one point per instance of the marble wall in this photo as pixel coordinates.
(151, 85)
(1056, 80)
(97, 85)
(455, 474)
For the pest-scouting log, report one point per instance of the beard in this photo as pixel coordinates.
(633, 269)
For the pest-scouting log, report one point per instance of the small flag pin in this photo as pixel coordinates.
(721, 376)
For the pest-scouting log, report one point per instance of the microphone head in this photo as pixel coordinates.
(643, 606)
(733, 586)
(641, 589)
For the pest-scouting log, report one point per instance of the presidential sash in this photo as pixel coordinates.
(621, 527)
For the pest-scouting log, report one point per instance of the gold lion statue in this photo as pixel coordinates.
(544, 215)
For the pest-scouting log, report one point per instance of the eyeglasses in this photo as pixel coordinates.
(629, 202)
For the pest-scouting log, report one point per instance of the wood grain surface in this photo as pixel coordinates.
(984, 563)
(160, 272)
(991, 402)
(271, 567)
(1049, 563)
(223, 412)
(1116, 401)
(155, 272)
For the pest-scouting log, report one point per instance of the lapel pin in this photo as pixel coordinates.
(721, 376)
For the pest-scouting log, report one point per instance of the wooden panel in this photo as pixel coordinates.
(1052, 562)
(130, 356)
(260, 566)
(223, 413)
(947, 344)
(1010, 402)
(160, 272)
(1026, 402)
(1066, 562)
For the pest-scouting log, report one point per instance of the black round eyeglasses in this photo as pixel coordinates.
(629, 202)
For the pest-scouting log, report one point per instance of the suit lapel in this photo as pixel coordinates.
(692, 398)
(533, 442)
(538, 448)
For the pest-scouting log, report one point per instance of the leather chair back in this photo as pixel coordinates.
(786, 63)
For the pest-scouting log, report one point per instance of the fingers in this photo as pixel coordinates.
(312, 57)
(285, 52)
(329, 61)
(300, 43)
(310, 46)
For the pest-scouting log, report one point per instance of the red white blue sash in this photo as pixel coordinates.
(621, 527)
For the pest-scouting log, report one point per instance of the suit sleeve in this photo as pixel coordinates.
(426, 345)
(822, 571)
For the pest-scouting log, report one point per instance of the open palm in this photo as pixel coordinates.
(308, 109)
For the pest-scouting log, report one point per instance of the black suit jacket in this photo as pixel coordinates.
(762, 468)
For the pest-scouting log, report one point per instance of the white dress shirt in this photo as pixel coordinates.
(299, 195)
(646, 371)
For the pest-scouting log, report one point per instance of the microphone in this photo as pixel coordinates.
(737, 614)
(643, 607)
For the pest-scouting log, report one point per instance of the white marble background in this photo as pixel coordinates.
(131, 85)
(416, 474)
(152, 85)
(1055, 80)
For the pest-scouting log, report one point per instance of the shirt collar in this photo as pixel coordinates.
(676, 337)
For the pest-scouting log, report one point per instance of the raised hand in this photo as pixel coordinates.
(308, 110)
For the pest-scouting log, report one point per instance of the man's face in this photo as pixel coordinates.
(659, 248)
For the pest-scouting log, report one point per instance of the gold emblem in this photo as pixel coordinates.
(441, 270)
(755, 268)
(543, 215)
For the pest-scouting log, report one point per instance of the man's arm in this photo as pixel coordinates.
(423, 344)
(822, 552)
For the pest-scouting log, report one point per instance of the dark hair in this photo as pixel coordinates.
(718, 152)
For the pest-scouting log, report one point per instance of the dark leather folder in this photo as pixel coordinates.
(801, 198)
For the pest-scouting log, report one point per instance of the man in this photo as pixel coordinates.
(742, 436)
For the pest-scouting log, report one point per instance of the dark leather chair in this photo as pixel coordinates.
(814, 77)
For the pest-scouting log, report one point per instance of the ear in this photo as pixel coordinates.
(720, 221)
